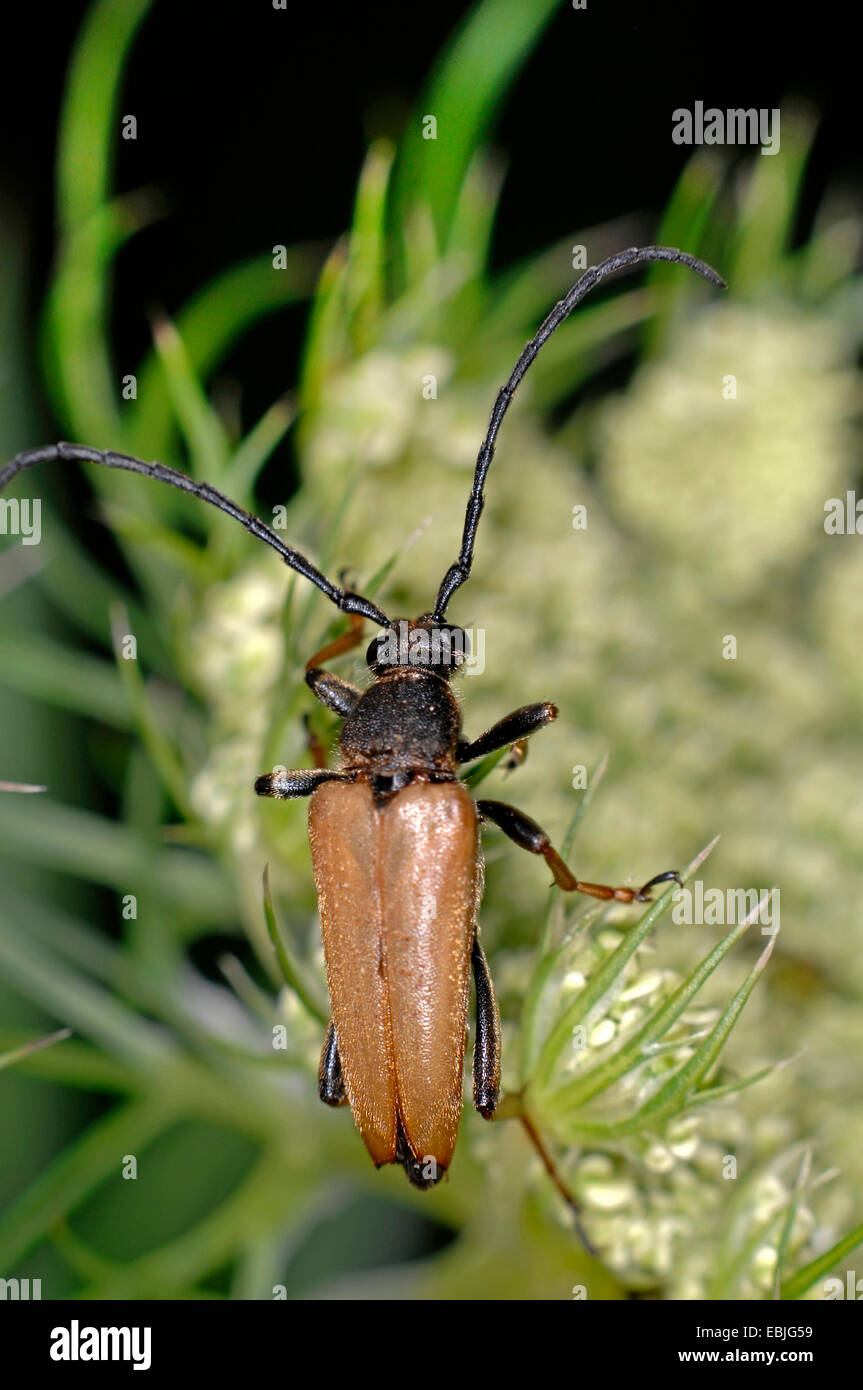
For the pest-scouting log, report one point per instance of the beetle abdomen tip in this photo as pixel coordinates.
(422, 1172)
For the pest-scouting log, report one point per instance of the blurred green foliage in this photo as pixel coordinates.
(704, 521)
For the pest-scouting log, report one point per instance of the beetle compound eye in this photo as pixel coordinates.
(378, 653)
(461, 645)
(389, 648)
(449, 647)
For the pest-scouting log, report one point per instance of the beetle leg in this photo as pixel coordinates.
(331, 1084)
(486, 1048)
(299, 783)
(530, 836)
(314, 745)
(517, 755)
(345, 643)
(339, 696)
(512, 729)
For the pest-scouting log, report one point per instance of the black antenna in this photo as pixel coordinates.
(458, 573)
(345, 600)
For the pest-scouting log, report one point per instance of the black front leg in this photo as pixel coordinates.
(512, 729)
(486, 1048)
(339, 696)
(530, 836)
(285, 785)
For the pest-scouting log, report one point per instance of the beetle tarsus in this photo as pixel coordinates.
(670, 876)
(517, 756)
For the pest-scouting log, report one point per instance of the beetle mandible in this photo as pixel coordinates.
(394, 833)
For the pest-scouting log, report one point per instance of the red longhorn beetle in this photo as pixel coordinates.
(394, 833)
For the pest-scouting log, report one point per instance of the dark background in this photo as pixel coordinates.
(245, 158)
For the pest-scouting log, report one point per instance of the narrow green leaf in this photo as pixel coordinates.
(210, 323)
(326, 341)
(89, 123)
(790, 1217)
(766, 222)
(250, 456)
(549, 956)
(608, 977)
(76, 1064)
(593, 997)
(259, 1004)
(200, 426)
(727, 1277)
(80, 373)
(569, 358)
(708, 1095)
(87, 846)
(66, 993)
(522, 294)
(582, 1089)
(164, 756)
(61, 676)
(463, 96)
(83, 592)
(290, 972)
(79, 1256)
(830, 256)
(18, 1054)
(805, 1278)
(470, 240)
(196, 564)
(688, 214)
(366, 280)
(672, 1098)
(481, 770)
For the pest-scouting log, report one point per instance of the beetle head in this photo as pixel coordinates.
(423, 643)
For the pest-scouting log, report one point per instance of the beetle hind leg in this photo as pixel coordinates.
(314, 744)
(486, 1050)
(530, 836)
(331, 1082)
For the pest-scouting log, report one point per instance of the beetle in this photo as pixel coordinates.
(395, 834)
